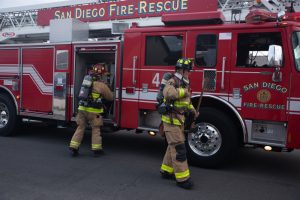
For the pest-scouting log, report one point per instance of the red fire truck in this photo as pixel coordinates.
(251, 69)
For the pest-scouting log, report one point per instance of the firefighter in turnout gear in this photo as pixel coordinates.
(92, 93)
(177, 101)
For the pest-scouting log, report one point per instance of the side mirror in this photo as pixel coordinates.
(280, 15)
(275, 56)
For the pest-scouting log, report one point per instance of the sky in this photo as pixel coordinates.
(14, 3)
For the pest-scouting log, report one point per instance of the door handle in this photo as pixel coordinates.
(223, 72)
(277, 75)
(134, 59)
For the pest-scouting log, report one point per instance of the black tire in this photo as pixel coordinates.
(8, 116)
(214, 141)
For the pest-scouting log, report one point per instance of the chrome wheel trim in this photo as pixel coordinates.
(205, 140)
(4, 115)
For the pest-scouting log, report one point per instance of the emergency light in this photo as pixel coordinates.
(260, 16)
(292, 17)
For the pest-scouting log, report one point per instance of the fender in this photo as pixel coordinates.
(229, 105)
(13, 97)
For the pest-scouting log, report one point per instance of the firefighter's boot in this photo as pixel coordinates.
(187, 184)
(74, 152)
(98, 153)
(166, 175)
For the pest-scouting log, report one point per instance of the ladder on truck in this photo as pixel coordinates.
(236, 10)
(19, 23)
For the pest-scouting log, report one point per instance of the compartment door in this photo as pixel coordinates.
(37, 79)
(109, 54)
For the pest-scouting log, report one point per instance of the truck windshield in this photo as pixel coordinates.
(296, 49)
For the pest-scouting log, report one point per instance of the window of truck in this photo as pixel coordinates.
(296, 49)
(252, 48)
(206, 50)
(163, 50)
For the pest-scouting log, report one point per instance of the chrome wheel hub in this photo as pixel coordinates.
(4, 115)
(205, 139)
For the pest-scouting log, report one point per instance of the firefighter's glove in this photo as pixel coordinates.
(193, 126)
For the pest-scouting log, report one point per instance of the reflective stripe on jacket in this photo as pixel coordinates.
(181, 103)
(91, 110)
(99, 90)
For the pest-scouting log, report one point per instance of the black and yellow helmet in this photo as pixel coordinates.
(185, 64)
(99, 69)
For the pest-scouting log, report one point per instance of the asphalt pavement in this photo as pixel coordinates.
(36, 165)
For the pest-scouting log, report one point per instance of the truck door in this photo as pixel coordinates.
(253, 83)
(128, 90)
(211, 52)
(161, 52)
(37, 80)
(294, 100)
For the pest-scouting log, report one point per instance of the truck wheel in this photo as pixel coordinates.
(213, 141)
(8, 116)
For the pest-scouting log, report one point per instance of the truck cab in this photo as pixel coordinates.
(247, 100)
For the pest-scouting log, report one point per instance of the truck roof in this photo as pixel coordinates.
(210, 27)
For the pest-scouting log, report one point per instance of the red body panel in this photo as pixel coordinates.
(9, 56)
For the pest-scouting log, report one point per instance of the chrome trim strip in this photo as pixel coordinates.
(38, 115)
(147, 129)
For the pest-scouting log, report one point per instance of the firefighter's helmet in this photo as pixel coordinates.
(99, 69)
(185, 64)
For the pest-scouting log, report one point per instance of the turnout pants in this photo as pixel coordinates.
(175, 161)
(82, 119)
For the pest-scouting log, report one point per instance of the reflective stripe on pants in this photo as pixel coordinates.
(174, 135)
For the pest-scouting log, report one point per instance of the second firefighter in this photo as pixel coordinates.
(92, 94)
